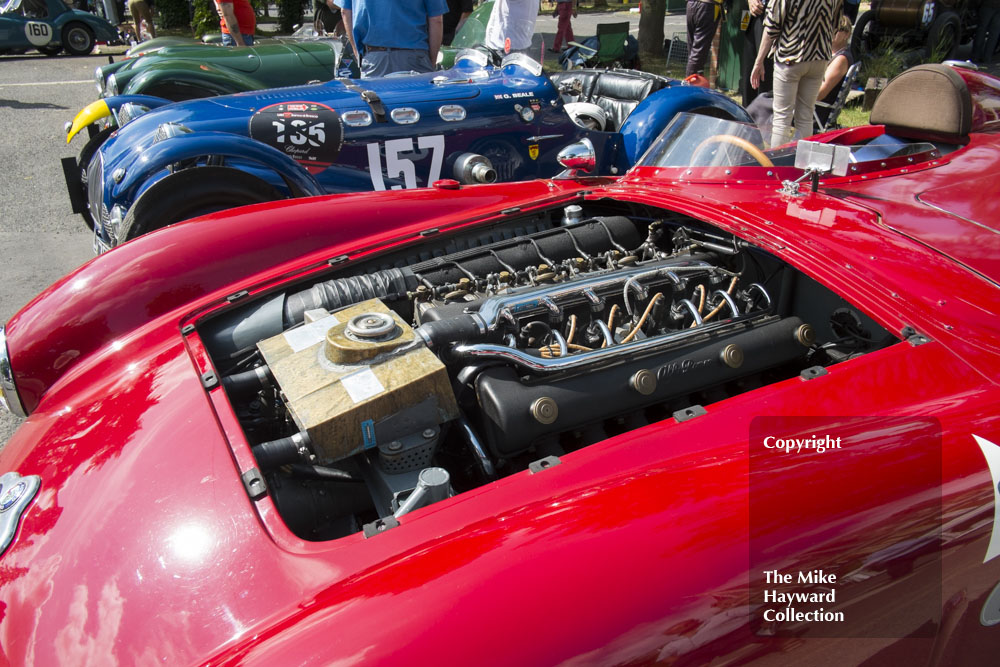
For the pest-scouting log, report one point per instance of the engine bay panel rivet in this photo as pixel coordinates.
(805, 335)
(429, 433)
(732, 355)
(545, 410)
(394, 446)
(643, 381)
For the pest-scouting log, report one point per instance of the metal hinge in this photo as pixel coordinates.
(380, 526)
(812, 372)
(543, 464)
(690, 413)
(254, 483)
(914, 338)
(209, 380)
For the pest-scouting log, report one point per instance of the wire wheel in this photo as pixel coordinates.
(78, 39)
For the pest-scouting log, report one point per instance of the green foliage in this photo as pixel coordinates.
(173, 14)
(853, 115)
(290, 13)
(885, 62)
(206, 18)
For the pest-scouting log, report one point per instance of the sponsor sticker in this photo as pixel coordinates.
(308, 132)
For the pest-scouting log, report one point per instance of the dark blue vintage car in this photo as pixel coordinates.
(474, 123)
(50, 26)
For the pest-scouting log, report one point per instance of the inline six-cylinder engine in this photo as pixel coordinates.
(436, 369)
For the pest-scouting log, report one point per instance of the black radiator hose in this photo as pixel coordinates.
(388, 284)
(464, 327)
(276, 453)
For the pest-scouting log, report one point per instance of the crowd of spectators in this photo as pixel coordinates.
(794, 51)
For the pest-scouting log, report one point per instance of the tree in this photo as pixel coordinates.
(651, 19)
(173, 13)
(290, 13)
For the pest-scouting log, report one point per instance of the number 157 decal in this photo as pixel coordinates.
(399, 167)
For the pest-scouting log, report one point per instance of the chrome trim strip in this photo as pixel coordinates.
(473, 353)
(8, 390)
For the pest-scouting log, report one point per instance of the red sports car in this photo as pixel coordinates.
(736, 406)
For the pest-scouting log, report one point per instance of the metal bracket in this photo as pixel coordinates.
(237, 295)
(813, 372)
(914, 338)
(187, 329)
(543, 464)
(254, 483)
(209, 380)
(339, 259)
(689, 413)
(380, 526)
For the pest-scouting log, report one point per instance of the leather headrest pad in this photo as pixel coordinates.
(925, 100)
(621, 86)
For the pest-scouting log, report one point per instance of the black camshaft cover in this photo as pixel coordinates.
(510, 427)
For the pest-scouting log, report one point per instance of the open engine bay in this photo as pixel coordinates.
(398, 382)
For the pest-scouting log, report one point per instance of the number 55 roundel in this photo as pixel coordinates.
(307, 132)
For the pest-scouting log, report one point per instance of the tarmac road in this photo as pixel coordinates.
(41, 240)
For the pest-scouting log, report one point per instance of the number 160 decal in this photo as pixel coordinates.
(397, 166)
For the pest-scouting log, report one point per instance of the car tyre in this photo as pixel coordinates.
(190, 193)
(862, 39)
(77, 39)
(83, 162)
(943, 36)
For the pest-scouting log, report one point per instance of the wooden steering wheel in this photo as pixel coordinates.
(739, 142)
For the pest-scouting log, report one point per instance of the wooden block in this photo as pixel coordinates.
(874, 86)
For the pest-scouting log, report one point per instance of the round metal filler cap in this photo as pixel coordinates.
(372, 325)
(545, 410)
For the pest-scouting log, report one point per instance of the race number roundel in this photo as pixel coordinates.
(308, 132)
(39, 34)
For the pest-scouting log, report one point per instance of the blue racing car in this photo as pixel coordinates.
(474, 123)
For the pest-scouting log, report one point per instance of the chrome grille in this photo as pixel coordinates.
(95, 186)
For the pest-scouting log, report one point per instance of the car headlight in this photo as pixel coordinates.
(115, 218)
(168, 130)
(99, 81)
(111, 86)
(8, 391)
(129, 112)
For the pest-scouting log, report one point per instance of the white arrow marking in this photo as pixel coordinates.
(992, 453)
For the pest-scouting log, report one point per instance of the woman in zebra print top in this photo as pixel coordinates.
(798, 34)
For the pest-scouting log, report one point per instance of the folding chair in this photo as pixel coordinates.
(611, 40)
(834, 109)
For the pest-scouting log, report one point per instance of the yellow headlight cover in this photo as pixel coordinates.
(89, 114)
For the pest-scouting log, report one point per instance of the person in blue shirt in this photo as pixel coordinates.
(397, 36)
